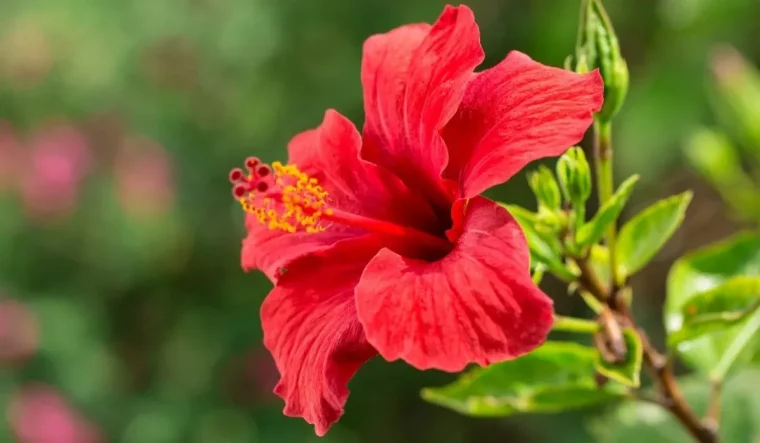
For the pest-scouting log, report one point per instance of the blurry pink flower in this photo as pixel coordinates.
(18, 333)
(10, 160)
(144, 180)
(38, 414)
(58, 160)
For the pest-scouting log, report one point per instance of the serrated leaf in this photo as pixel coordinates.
(646, 233)
(718, 308)
(555, 377)
(636, 422)
(702, 271)
(594, 230)
(627, 372)
(541, 250)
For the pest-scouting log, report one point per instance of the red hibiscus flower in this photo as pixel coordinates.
(379, 243)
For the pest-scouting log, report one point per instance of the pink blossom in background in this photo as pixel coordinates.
(39, 414)
(18, 333)
(10, 157)
(144, 179)
(58, 160)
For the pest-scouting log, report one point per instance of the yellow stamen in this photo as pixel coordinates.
(293, 202)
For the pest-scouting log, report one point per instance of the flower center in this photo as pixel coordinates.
(284, 198)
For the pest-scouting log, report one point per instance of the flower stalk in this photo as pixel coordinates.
(605, 185)
(657, 365)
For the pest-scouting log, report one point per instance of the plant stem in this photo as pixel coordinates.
(657, 365)
(605, 185)
(578, 325)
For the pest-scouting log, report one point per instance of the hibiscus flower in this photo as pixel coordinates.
(379, 242)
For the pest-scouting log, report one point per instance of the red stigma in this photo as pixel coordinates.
(239, 191)
(255, 180)
(263, 171)
(251, 163)
(236, 175)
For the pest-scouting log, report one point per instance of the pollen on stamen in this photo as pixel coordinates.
(281, 196)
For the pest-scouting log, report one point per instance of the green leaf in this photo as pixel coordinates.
(541, 249)
(555, 377)
(702, 271)
(636, 422)
(594, 230)
(643, 236)
(718, 308)
(627, 372)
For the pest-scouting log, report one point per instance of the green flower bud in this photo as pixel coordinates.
(545, 187)
(549, 221)
(613, 68)
(599, 48)
(574, 176)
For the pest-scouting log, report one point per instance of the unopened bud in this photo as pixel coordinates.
(545, 187)
(601, 49)
(548, 221)
(574, 176)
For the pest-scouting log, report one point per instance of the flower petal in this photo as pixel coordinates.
(515, 113)
(476, 305)
(311, 329)
(414, 78)
(330, 153)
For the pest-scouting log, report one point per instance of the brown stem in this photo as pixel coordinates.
(658, 366)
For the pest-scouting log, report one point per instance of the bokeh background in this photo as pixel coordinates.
(124, 314)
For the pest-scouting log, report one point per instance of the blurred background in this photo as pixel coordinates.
(124, 314)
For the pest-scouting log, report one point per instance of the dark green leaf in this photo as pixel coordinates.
(626, 372)
(594, 230)
(643, 236)
(718, 308)
(555, 377)
(703, 271)
(541, 249)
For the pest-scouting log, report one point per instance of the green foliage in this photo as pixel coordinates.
(717, 159)
(712, 270)
(718, 308)
(544, 249)
(636, 422)
(729, 157)
(555, 377)
(628, 371)
(646, 233)
(593, 231)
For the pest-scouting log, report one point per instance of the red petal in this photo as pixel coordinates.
(414, 78)
(476, 305)
(311, 329)
(330, 154)
(514, 113)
